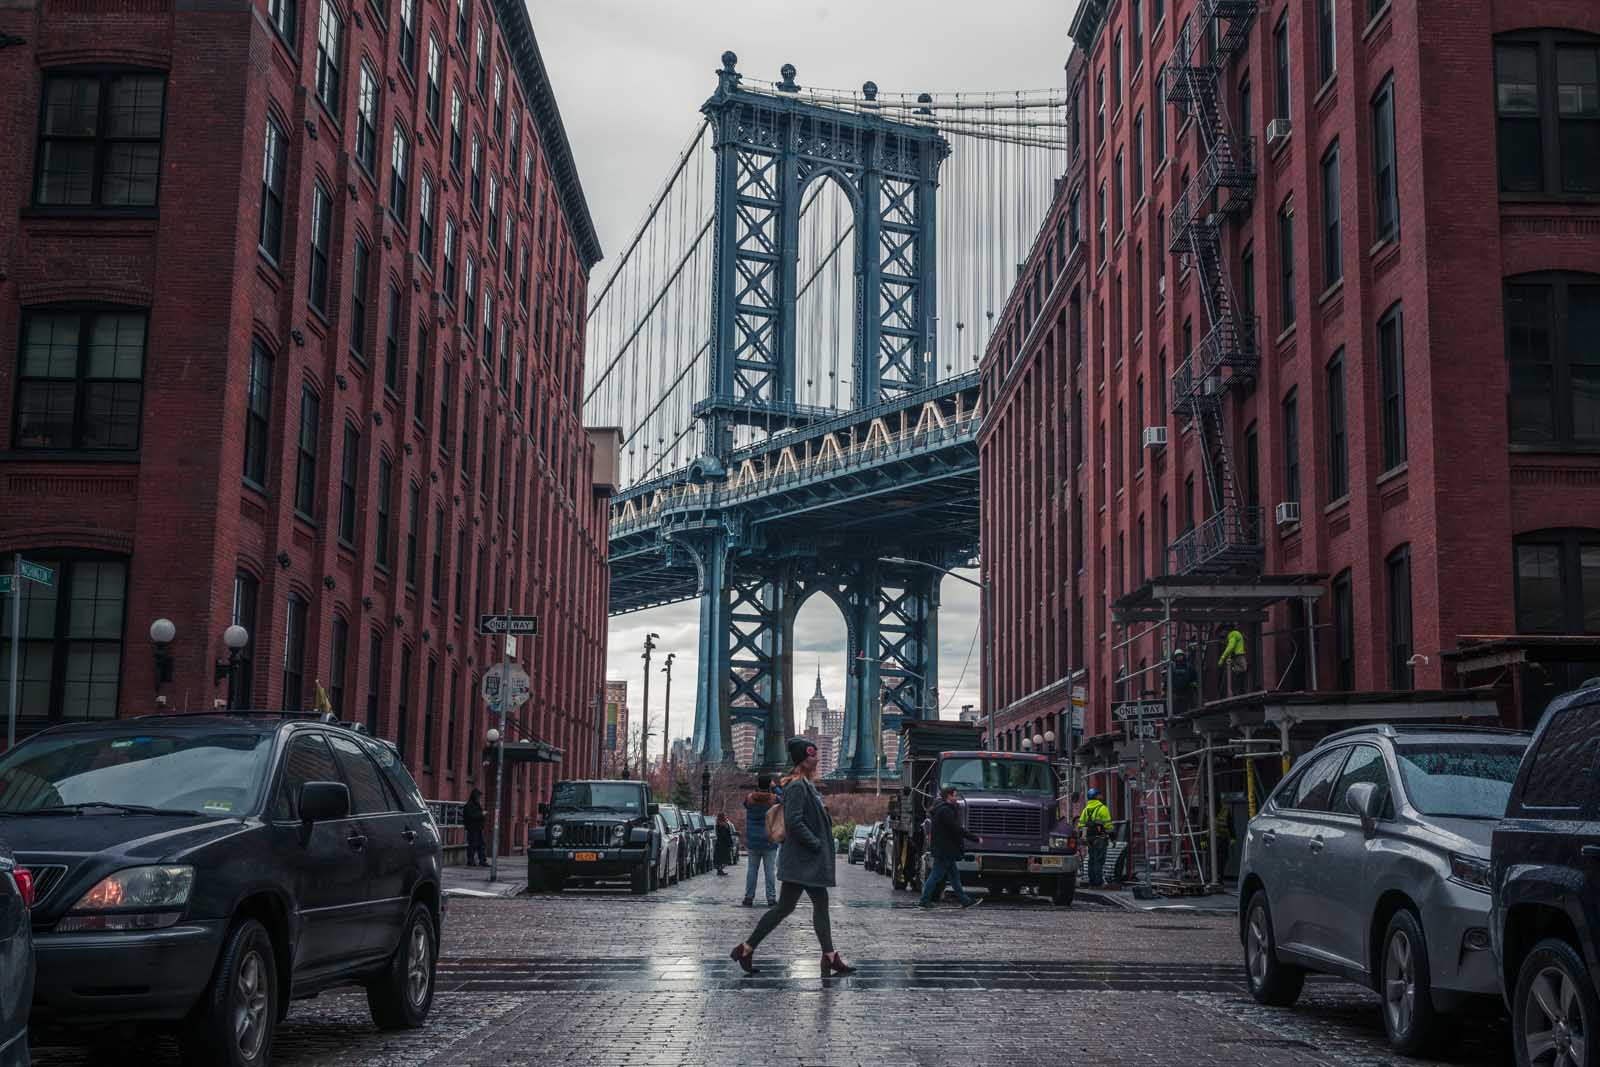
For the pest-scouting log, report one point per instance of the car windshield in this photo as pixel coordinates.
(591, 796)
(203, 774)
(996, 775)
(861, 831)
(1466, 780)
(674, 820)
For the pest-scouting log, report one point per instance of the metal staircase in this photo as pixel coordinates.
(1226, 357)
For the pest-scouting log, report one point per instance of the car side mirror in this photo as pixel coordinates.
(652, 810)
(544, 811)
(321, 801)
(1363, 800)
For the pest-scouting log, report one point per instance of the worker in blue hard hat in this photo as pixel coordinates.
(1094, 825)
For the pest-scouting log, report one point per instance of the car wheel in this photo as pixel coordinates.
(1272, 983)
(1555, 1015)
(1409, 1017)
(234, 1021)
(400, 997)
(1062, 889)
(639, 883)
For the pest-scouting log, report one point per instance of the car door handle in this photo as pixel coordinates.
(1317, 844)
(357, 842)
(409, 834)
(1590, 852)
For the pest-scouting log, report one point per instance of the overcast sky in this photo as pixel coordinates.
(630, 76)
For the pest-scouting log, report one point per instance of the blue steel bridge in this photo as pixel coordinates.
(789, 347)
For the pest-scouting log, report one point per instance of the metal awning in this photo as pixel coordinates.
(1199, 599)
(1342, 708)
(1474, 653)
(530, 752)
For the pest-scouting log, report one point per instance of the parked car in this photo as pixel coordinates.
(667, 845)
(733, 836)
(683, 843)
(858, 844)
(16, 959)
(202, 869)
(876, 851)
(1545, 873)
(1371, 861)
(593, 831)
(703, 842)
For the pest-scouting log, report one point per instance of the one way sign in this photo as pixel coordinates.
(509, 624)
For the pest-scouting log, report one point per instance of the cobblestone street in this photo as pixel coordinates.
(611, 980)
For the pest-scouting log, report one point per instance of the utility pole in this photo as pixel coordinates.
(644, 712)
(500, 746)
(666, 712)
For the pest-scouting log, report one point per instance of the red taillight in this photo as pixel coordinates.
(24, 880)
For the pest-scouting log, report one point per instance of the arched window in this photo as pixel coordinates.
(1558, 582)
(1553, 348)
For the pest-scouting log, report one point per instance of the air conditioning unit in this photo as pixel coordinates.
(1211, 386)
(1278, 131)
(1155, 437)
(1287, 513)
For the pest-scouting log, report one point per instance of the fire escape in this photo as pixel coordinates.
(1229, 540)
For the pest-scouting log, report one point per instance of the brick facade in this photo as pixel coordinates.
(412, 391)
(1463, 492)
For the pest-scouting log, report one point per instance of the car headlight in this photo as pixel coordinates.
(138, 898)
(618, 833)
(555, 832)
(1063, 843)
(1470, 872)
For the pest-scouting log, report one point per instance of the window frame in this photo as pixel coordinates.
(295, 623)
(1327, 42)
(399, 176)
(1344, 631)
(274, 167)
(368, 105)
(258, 424)
(1560, 359)
(1332, 219)
(318, 264)
(1568, 544)
(60, 641)
(1291, 446)
(1546, 114)
(1288, 314)
(1398, 617)
(1282, 68)
(81, 380)
(307, 438)
(1385, 164)
(104, 76)
(384, 506)
(328, 83)
(1392, 389)
(349, 484)
(1338, 427)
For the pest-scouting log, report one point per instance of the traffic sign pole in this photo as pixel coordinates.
(16, 646)
(500, 754)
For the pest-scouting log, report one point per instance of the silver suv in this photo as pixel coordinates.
(1371, 861)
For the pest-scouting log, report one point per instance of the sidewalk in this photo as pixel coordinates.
(474, 881)
(1224, 903)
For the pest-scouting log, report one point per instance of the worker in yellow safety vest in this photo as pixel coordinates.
(1094, 824)
(1233, 662)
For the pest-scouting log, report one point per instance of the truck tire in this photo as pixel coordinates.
(639, 884)
(1061, 889)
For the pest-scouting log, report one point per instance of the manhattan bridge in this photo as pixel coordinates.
(790, 346)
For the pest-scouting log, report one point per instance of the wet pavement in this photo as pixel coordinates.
(612, 980)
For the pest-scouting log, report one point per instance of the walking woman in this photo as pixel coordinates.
(805, 862)
(472, 820)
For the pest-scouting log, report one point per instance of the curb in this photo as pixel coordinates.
(1117, 900)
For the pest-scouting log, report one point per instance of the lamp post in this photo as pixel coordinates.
(986, 611)
(705, 789)
(234, 638)
(498, 740)
(644, 714)
(162, 631)
(666, 711)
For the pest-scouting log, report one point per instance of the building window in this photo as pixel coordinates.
(258, 408)
(435, 81)
(385, 503)
(1136, 27)
(436, 575)
(1558, 582)
(1116, 73)
(1100, 220)
(1280, 67)
(283, 16)
(461, 568)
(1247, 291)
(1397, 580)
(391, 341)
(413, 506)
(321, 226)
(1547, 104)
(100, 140)
(367, 120)
(455, 130)
(492, 223)
(527, 179)
(338, 663)
(374, 681)
(1118, 197)
(70, 652)
(1100, 108)
(246, 590)
(1158, 121)
(477, 175)
(402, 703)
(449, 259)
(305, 474)
(1286, 264)
(1338, 451)
(1291, 448)
(1344, 633)
(463, 19)
(272, 171)
(408, 36)
(349, 468)
(1136, 176)
(398, 191)
(1392, 380)
(482, 75)
(427, 713)
(469, 298)
(1385, 191)
(294, 653)
(419, 374)
(1327, 42)
(425, 221)
(1332, 242)
(499, 103)
(81, 381)
(446, 393)
(330, 51)
(450, 729)
(1553, 348)
(358, 300)
(1245, 101)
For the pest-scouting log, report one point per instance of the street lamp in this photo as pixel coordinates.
(666, 713)
(705, 789)
(644, 715)
(986, 610)
(497, 739)
(234, 638)
(162, 631)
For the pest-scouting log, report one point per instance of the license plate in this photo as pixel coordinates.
(1050, 861)
(585, 857)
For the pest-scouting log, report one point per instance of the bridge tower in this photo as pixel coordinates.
(770, 145)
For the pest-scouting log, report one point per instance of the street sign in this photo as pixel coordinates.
(1138, 710)
(509, 624)
(1144, 731)
(511, 647)
(505, 684)
(36, 573)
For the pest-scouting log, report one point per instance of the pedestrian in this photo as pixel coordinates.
(1234, 663)
(724, 849)
(1094, 823)
(763, 853)
(946, 844)
(1183, 682)
(472, 819)
(805, 862)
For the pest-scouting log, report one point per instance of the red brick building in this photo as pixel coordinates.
(293, 297)
(1414, 275)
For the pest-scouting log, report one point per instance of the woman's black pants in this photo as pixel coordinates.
(788, 897)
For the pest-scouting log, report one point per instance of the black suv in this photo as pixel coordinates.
(207, 869)
(594, 831)
(1545, 877)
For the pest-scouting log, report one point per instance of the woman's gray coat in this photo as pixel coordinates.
(806, 856)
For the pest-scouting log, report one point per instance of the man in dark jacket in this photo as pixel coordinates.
(472, 820)
(946, 844)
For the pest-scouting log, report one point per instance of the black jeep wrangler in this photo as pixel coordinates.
(595, 831)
